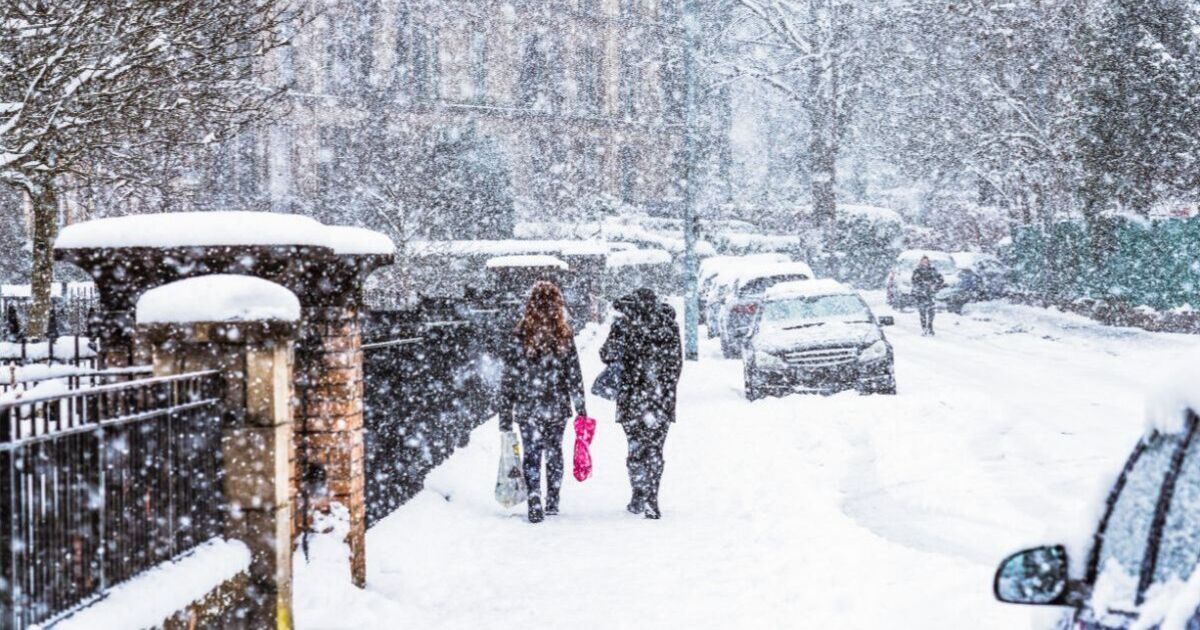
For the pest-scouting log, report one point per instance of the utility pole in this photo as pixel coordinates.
(691, 299)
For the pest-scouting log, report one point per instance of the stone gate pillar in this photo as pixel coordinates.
(254, 358)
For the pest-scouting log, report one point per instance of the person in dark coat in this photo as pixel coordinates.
(645, 340)
(926, 282)
(542, 382)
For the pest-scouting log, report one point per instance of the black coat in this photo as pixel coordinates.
(645, 341)
(540, 389)
(926, 282)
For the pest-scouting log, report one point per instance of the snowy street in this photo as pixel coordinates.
(839, 512)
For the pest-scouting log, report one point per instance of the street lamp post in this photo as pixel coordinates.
(691, 300)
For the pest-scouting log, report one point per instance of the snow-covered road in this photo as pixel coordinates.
(802, 512)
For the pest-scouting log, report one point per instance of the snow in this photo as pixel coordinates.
(842, 511)
(913, 256)
(872, 213)
(508, 248)
(638, 257)
(56, 289)
(808, 288)
(197, 229)
(501, 262)
(753, 272)
(217, 298)
(65, 348)
(150, 598)
(1176, 392)
(970, 260)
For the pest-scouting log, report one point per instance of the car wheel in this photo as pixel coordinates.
(753, 389)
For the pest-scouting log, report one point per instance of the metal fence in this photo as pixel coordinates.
(75, 350)
(101, 484)
(13, 381)
(429, 379)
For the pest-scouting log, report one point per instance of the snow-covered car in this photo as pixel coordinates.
(817, 336)
(716, 271)
(899, 282)
(741, 303)
(980, 277)
(1143, 568)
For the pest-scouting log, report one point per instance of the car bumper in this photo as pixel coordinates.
(828, 380)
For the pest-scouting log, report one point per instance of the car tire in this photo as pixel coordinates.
(753, 389)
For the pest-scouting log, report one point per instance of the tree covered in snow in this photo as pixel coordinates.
(1141, 110)
(120, 91)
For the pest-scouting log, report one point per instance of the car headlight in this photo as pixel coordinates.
(768, 360)
(877, 351)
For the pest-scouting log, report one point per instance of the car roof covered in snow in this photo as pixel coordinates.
(201, 229)
(755, 272)
(808, 288)
(1176, 392)
(508, 262)
(968, 260)
(915, 255)
(638, 257)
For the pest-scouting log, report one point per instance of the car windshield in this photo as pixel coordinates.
(801, 310)
(759, 286)
(1179, 548)
(1123, 546)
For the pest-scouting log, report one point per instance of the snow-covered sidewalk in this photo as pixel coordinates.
(840, 512)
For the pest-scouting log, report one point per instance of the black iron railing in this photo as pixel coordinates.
(73, 350)
(427, 385)
(12, 379)
(98, 485)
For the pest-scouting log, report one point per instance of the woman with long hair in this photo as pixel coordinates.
(542, 382)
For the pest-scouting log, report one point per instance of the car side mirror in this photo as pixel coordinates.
(1035, 576)
(887, 320)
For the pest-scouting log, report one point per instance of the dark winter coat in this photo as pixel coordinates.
(926, 282)
(540, 389)
(645, 340)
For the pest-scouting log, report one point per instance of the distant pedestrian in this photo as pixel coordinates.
(926, 282)
(542, 382)
(645, 341)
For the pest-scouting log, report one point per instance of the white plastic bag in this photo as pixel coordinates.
(510, 481)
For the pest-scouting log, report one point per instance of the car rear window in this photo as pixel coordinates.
(1179, 548)
(759, 286)
(1127, 533)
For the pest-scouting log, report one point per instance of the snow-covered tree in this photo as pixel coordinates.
(1141, 139)
(110, 90)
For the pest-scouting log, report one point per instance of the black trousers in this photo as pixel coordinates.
(927, 309)
(543, 442)
(645, 460)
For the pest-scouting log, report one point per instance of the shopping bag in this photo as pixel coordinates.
(609, 381)
(585, 430)
(510, 481)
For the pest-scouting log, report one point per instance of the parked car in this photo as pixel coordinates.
(980, 277)
(716, 270)
(741, 302)
(817, 336)
(1145, 548)
(899, 282)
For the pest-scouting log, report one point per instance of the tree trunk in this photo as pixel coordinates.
(823, 174)
(45, 227)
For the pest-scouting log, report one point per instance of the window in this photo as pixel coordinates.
(1179, 548)
(590, 81)
(630, 79)
(629, 175)
(478, 64)
(828, 307)
(415, 74)
(629, 8)
(541, 80)
(349, 50)
(1127, 532)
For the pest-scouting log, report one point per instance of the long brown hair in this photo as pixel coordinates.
(544, 328)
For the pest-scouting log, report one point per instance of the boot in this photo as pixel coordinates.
(552, 502)
(651, 512)
(637, 504)
(535, 510)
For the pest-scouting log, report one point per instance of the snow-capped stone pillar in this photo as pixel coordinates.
(243, 328)
(324, 266)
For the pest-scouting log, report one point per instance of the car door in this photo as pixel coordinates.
(1128, 541)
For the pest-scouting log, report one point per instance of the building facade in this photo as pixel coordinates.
(583, 99)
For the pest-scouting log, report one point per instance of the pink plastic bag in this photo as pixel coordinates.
(585, 430)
